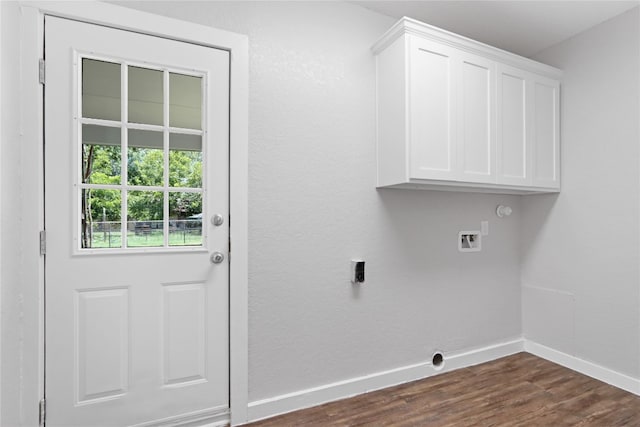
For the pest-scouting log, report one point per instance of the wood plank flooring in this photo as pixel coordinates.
(519, 390)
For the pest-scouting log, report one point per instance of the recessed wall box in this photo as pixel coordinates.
(357, 271)
(469, 241)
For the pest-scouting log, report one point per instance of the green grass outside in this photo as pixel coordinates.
(153, 239)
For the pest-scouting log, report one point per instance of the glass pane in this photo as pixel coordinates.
(145, 96)
(185, 219)
(144, 219)
(185, 161)
(101, 161)
(100, 90)
(185, 101)
(145, 161)
(100, 219)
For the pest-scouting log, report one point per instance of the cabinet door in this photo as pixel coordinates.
(432, 106)
(513, 139)
(545, 132)
(476, 142)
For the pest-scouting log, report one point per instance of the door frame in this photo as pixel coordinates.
(1, 115)
(32, 40)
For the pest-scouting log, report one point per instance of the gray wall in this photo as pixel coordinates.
(581, 249)
(19, 368)
(313, 207)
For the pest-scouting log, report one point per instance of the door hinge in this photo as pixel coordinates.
(41, 71)
(43, 411)
(43, 242)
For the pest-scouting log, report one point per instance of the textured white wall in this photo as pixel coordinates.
(12, 296)
(581, 249)
(313, 206)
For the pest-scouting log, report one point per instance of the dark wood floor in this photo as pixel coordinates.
(519, 390)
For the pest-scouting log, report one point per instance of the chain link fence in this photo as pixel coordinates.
(108, 234)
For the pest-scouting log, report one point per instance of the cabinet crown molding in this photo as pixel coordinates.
(412, 26)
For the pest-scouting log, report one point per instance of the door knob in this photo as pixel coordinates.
(217, 257)
(217, 220)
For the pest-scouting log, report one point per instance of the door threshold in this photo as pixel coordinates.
(213, 417)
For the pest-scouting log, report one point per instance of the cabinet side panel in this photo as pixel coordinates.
(391, 100)
(432, 111)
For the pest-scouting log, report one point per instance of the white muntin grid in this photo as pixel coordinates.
(124, 125)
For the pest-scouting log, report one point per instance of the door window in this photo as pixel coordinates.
(141, 142)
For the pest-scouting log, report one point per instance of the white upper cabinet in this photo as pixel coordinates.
(476, 119)
(513, 155)
(455, 114)
(545, 132)
(433, 71)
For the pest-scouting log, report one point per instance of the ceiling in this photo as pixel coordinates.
(522, 27)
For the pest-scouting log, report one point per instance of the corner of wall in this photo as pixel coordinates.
(579, 273)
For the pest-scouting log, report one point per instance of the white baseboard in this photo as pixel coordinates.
(590, 369)
(454, 360)
(339, 390)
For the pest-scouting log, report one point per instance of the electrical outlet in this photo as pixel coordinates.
(357, 271)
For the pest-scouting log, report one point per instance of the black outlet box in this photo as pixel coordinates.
(357, 271)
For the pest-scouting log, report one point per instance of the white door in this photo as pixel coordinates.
(476, 119)
(514, 130)
(433, 103)
(136, 168)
